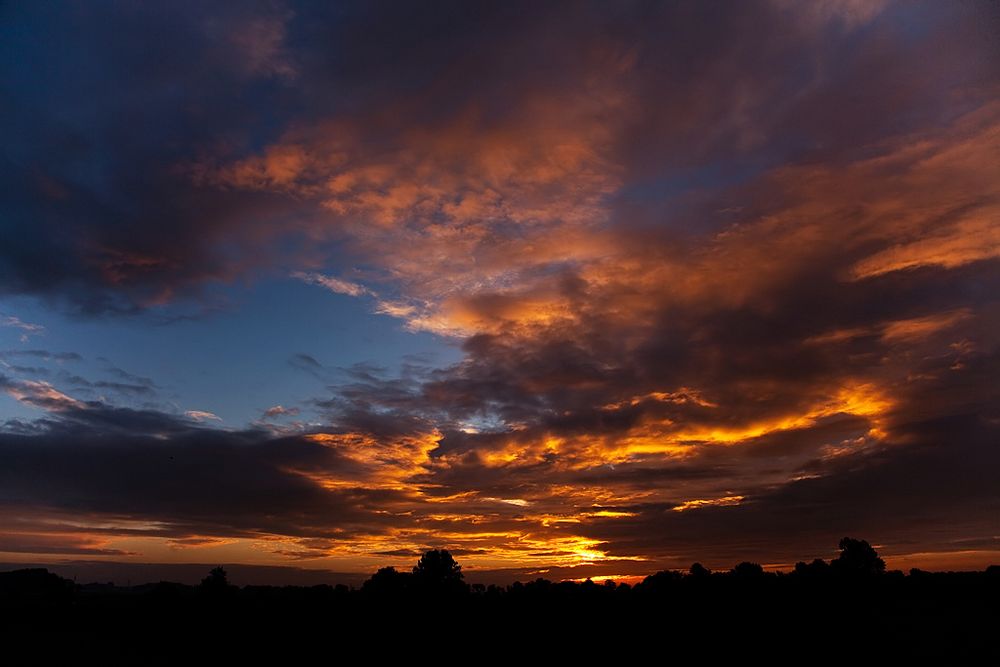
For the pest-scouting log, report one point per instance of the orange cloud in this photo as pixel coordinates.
(39, 394)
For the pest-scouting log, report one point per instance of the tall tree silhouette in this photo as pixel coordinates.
(217, 579)
(437, 570)
(857, 558)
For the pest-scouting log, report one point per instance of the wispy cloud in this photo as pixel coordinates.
(280, 411)
(335, 285)
(28, 330)
(38, 394)
(202, 416)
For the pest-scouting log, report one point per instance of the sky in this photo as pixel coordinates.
(567, 288)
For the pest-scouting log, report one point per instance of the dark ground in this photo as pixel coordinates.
(822, 612)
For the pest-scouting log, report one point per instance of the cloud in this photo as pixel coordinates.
(499, 176)
(119, 387)
(126, 243)
(122, 374)
(41, 354)
(201, 416)
(849, 13)
(715, 274)
(58, 544)
(38, 394)
(28, 329)
(279, 411)
(959, 243)
(157, 462)
(900, 498)
(335, 285)
(308, 364)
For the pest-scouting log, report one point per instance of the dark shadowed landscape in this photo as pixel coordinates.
(850, 603)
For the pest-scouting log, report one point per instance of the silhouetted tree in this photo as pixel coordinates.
(662, 578)
(34, 583)
(438, 565)
(746, 570)
(699, 571)
(438, 571)
(909, 613)
(216, 581)
(387, 581)
(817, 568)
(857, 557)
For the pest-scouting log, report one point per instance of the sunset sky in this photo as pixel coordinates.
(570, 289)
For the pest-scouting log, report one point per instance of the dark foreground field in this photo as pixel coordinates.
(839, 611)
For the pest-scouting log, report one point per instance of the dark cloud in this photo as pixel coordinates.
(279, 411)
(187, 479)
(36, 371)
(122, 374)
(95, 128)
(41, 354)
(103, 130)
(120, 387)
(308, 364)
(934, 493)
(55, 545)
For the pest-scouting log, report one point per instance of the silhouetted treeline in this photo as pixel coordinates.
(850, 594)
